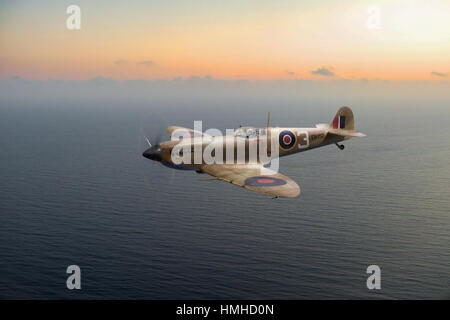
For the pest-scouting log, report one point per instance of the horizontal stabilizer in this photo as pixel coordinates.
(347, 133)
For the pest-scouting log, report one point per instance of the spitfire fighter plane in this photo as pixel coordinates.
(251, 173)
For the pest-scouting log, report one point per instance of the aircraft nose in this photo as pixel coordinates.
(153, 153)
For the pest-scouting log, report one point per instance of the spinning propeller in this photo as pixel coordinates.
(153, 151)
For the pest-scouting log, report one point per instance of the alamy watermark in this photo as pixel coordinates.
(73, 22)
(373, 21)
(74, 280)
(374, 280)
(242, 146)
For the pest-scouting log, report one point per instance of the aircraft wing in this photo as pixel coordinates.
(254, 177)
(176, 132)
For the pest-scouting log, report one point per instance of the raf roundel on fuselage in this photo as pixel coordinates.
(287, 140)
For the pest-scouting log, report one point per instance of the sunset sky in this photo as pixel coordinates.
(252, 39)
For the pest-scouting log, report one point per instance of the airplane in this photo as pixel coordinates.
(253, 174)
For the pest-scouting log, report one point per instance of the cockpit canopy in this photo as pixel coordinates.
(249, 132)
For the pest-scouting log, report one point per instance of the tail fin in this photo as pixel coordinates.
(343, 119)
(344, 125)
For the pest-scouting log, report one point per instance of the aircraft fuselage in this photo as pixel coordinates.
(234, 148)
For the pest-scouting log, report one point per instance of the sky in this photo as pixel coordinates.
(324, 40)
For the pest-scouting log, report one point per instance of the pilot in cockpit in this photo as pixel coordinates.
(249, 132)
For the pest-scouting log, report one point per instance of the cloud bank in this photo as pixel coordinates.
(323, 71)
(147, 63)
(333, 91)
(438, 74)
(120, 62)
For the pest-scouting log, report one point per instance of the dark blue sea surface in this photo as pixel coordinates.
(75, 189)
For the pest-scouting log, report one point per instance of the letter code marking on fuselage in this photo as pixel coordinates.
(303, 139)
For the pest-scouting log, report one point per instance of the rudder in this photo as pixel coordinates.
(343, 119)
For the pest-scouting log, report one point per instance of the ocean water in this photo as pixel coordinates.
(74, 189)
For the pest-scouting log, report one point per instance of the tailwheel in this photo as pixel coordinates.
(340, 146)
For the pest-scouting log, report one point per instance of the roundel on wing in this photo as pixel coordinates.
(264, 181)
(287, 139)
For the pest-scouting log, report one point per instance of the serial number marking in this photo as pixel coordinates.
(317, 136)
